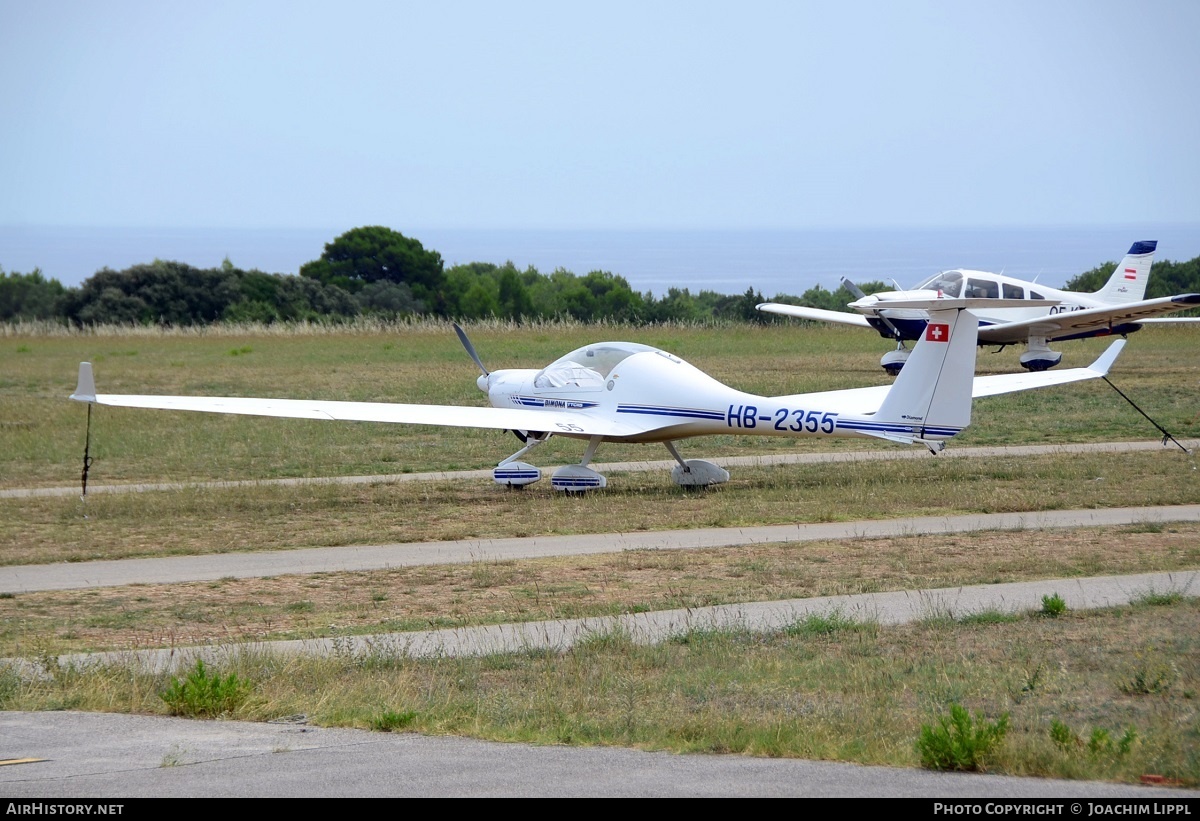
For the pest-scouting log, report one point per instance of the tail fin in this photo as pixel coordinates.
(1128, 281)
(931, 397)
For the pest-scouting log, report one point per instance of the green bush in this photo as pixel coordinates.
(205, 694)
(959, 743)
(1053, 606)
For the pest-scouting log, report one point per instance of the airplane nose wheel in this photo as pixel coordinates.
(893, 361)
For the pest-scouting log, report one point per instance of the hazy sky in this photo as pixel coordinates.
(648, 114)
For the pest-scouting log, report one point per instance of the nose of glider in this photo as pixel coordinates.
(482, 382)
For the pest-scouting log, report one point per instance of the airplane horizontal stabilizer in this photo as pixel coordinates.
(816, 314)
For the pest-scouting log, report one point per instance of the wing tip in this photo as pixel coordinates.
(85, 386)
(1105, 361)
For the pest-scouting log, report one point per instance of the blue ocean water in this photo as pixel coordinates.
(726, 261)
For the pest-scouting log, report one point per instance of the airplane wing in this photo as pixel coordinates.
(818, 314)
(1013, 382)
(1071, 323)
(577, 423)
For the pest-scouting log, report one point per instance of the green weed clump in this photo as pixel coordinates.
(1099, 744)
(1102, 742)
(828, 624)
(1053, 606)
(204, 695)
(1063, 736)
(390, 720)
(1148, 676)
(959, 742)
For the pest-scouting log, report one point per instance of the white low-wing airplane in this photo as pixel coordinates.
(1030, 313)
(628, 392)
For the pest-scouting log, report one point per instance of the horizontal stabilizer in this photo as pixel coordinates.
(815, 314)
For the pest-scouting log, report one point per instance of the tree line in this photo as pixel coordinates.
(375, 271)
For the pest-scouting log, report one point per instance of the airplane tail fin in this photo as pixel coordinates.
(1128, 281)
(931, 398)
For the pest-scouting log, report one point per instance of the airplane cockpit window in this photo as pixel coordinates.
(569, 375)
(1013, 291)
(982, 289)
(1035, 295)
(587, 367)
(948, 282)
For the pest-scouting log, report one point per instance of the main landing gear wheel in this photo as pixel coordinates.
(695, 472)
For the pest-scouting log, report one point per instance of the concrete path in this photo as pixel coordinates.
(74, 575)
(647, 628)
(114, 758)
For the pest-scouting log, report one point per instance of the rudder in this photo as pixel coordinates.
(1128, 281)
(932, 395)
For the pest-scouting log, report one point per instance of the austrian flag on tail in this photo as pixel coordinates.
(937, 332)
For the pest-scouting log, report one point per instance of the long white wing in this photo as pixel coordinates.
(1069, 323)
(818, 314)
(577, 423)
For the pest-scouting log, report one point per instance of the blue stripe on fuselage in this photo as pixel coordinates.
(904, 429)
(657, 410)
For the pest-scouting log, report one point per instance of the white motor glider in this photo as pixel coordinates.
(1018, 311)
(627, 392)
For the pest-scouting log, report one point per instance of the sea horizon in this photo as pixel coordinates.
(771, 261)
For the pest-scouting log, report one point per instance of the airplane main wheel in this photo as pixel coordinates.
(577, 479)
(515, 474)
(699, 473)
(1039, 360)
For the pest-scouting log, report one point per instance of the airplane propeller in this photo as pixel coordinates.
(523, 435)
(854, 289)
(462, 337)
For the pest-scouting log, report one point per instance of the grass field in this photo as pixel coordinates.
(42, 436)
(855, 692)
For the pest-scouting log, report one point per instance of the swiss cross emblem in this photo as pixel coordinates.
(936, 332)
